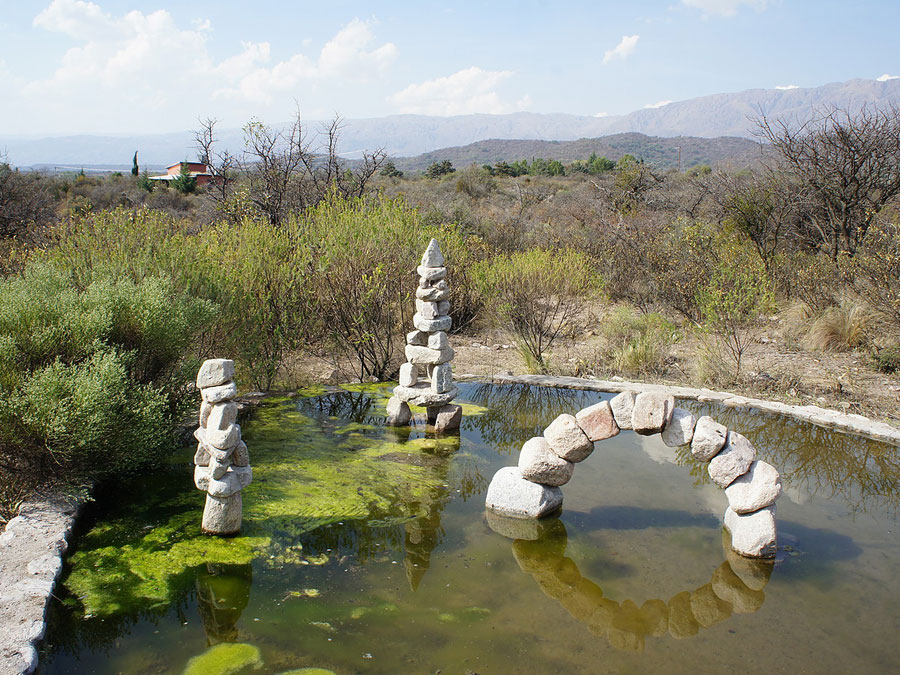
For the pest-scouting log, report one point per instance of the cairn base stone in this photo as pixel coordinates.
(421, 395)
(445, 418)
(753, 535)
(510, 494)
(222, 515)
(398, 413)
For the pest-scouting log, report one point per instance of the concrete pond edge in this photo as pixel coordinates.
(823, 417)
(32, 548)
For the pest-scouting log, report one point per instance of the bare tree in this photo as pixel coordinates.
(220, 163)
(25, 201)
(848, 164)
(271, 162)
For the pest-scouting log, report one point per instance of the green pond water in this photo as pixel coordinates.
(366, 549)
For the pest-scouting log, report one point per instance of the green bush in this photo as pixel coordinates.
(636, 343)
(91, 377)
(535, 294)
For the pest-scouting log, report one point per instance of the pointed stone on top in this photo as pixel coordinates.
(433, 257)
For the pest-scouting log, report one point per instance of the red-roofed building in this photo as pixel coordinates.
(197, 170)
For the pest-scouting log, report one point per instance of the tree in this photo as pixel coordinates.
(25, 200)
(220, 163)
(184, 182)
(134, 165)
(390, 170)
(438, 169)
(848, 164)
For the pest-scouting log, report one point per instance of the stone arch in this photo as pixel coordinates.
(532, 489)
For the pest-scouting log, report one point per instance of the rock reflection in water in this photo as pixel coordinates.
(539, 547)
(223, 592)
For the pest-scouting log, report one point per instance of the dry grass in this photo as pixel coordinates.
(839, 329)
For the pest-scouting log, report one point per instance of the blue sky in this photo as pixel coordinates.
(111, 66)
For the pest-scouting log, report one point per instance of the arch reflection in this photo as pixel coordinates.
(539, 546)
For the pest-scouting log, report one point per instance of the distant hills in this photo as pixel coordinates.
(709, 117)
(660, 152)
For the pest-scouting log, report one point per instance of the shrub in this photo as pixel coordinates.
(887, 359)
(536, 293)
(637, 344)
(874, 271)
(476, 182)
(734, 297)
(91, 377)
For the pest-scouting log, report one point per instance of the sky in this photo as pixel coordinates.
(118, 67)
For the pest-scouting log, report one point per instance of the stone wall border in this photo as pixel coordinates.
(32, 548)
(823, 417)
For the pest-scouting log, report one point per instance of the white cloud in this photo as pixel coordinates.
(786, 87)
(601, 114)
(658, 104)
(724, 7)
(465, 92)
(622, 50)
(886, 77)
(151, 64)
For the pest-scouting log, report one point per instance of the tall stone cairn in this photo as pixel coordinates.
(426, 379)
(221, 463)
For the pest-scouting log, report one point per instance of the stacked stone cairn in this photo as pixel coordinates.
(222, 463)
(532, 489)
(426, 379)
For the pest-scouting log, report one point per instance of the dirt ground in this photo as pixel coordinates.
(774, 368)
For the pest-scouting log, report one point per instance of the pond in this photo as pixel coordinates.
(366, 549)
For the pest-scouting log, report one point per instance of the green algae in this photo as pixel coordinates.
(309, 472)
(224, 659)
(309, 671)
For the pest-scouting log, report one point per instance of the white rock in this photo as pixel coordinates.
(445, 418)
(215, 372)
(431, 273)
(734, 460)
(223, 392)
(443, 307)
(622, 406)
(432, 256)
(680, 430)
(432, 325)
(512, 495)
(222, 415)
(205, 409)
(441, 378)
(421, 394)
(218, 467)
(236, 478)
(753, 534)
(424, 355)
(398, 413)
(417, 337)
(438, 340)
(709, 438)
(240, 455)
(567, 440)
(433, 293)
(409, 374)
(201, 477)
(652, 412)
(756, 489)
(201, 457)
(597, 421)
(221, 438)
(428, 310)
(539, 464)
(222, 515)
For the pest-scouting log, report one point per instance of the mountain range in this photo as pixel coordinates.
(717, 115)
